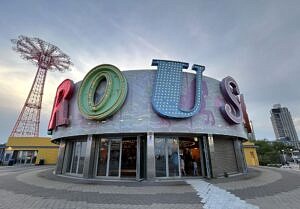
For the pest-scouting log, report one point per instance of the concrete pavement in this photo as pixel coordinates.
(37, 187)
(268, 188)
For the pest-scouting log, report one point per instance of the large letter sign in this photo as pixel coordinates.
(167, 89)
(245, 115)
(60, 110)
(103, 91)
(113, 97)
(231, 111)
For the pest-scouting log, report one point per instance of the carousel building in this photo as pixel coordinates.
(149, 124)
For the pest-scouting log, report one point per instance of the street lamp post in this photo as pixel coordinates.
(292, 155)
(284, 157)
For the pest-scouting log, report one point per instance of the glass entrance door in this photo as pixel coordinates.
(102, 157)
(129, 148)
(166, 157)
(109, 157)
(117, 157)
(114, 157)
(190, 156)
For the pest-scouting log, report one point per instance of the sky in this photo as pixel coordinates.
(255, 42)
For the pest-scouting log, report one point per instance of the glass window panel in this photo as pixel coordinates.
(7, 156)
(29, 157)
(114, 158)
(81, 157)
(173, 156)
(19, 157)
(34, 157)
(23, 157)
(102, 158)
(71, 144)
(160, 159)
(75, 157)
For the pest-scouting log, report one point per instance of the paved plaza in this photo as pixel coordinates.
(37, 187)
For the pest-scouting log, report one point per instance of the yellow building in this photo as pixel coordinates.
(250, 154)
(30, 150)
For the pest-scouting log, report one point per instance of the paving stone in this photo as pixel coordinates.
(25, 188)
(277, 193)
(36, 187)
(214, 197)
(254, 178)
(288, 182)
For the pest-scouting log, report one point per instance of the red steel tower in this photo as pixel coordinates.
(47, 57)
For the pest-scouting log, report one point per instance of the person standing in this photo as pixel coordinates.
(195, 168)
(182, 169)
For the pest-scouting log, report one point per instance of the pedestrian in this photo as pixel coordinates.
(195, 168)
(182, 170)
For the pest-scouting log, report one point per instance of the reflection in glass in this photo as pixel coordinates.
(102, 158)
(160, 159)
(19, 156)
(173, 156)
(23, 157)
(81, 157)
(128, 162)
(191, 156)
(34, 157)
(26, 157)
(114, 158)
(70, 156)
(75, 156)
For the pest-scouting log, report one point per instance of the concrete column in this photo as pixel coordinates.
(207, 157)
(211, 146)
(89, 158)
(138, 157)
(60, 157)
(202, 154)
(150, 156)
(239, 156)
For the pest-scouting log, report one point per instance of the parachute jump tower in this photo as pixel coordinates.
(46, 57)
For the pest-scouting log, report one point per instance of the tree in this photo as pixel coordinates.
(270, 152)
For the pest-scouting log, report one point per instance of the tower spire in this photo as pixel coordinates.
(47, 57)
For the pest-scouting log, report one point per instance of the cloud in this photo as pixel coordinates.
(257, 44)
(297, 123)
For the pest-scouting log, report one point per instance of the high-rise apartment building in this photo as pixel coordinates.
(283, 126)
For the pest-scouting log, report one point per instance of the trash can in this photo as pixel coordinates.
(41, 162)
